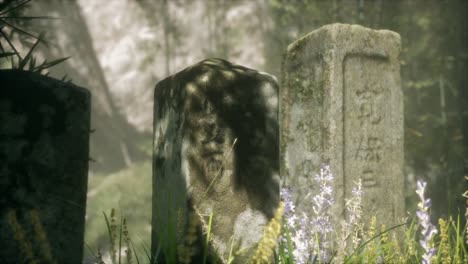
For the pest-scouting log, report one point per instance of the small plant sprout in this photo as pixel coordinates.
(354, 209)
(353, 226)
(428, 229)
(465, 194)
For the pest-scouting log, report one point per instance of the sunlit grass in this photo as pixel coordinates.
(367, 243)
(129, 191)
(415, 241)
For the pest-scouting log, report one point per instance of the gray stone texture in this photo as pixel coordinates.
(342, 105)
(216, 150)
(44, 150)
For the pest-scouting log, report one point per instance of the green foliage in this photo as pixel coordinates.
(11, 19)
(129, 189)
(398, 244)
(117, 230)
(391, 246)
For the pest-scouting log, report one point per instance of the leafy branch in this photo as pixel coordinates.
(8, 14)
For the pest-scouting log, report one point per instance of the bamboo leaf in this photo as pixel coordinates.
(11, 44)
(46, 64)
(1, 46)
(21, 30)
(6, 54)
(29, 17)
(15, 7)
(28, 56)
(5, 4)
(32, 63)
(57, 61)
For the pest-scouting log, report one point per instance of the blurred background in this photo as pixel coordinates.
(121, 48)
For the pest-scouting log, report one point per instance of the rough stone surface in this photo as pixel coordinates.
(341, 105)
(44, 150)
(216, 151)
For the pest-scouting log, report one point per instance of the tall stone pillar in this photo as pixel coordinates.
(342, 105)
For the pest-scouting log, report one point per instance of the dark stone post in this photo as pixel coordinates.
(44, 135)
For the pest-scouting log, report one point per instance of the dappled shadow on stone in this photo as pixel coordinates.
(219, 121)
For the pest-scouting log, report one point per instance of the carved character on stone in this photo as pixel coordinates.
(369, 149)
(368, 111)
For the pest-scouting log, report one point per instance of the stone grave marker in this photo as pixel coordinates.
(341, 105)
(44, 150)
(216, 151)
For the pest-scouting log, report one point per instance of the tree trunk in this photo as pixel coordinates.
(166, 27)
(111, 145)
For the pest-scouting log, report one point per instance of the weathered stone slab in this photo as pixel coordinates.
(215, 151)
(44, 150)
(341, 105)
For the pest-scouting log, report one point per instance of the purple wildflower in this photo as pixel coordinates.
(320, 223)
(310, 235)
(301, 241)
(297, 226)
(428, 229)
(289, 206)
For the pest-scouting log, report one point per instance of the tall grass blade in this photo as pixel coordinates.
(358, 250)
(134, 250)
(120, 240)
(146, 249)
(207, 242)
(108, 225)
(219, 170)
(231, 257)
(91, 251)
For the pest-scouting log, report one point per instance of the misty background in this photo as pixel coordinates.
(121, 48)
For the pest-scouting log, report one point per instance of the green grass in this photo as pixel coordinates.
(129, 191)
(391, 246)
(383, 247)
(388, 245)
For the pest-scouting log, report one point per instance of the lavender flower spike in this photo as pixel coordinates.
(298, 228)
(310, 235)
(428, 229)
(320, 225)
